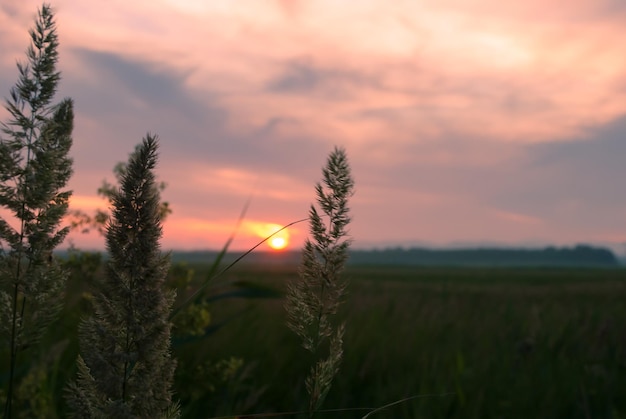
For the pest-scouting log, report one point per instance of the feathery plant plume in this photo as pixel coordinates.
(84, 222)
(125, 369)
(34, 170)
(313, 300)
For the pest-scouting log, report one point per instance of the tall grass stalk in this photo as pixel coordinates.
(313, 299)
(34, 169)
(125, 369)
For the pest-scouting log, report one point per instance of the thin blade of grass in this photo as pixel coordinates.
(212, 276)
(322, 411)
(216, 263)
(406, 399)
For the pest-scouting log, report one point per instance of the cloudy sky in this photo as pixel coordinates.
(465, 121)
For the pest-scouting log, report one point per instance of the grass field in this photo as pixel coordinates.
(472, 343)
(460, 342)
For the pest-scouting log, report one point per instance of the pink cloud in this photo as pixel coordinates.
(442, 85)
(530, 72)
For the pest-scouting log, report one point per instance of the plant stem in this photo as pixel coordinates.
(7, 405)
(14, 351)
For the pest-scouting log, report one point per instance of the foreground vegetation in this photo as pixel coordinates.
(471, 343)
(125, 369)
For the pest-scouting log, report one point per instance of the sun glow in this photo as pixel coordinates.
(279, 239)
(277, 243)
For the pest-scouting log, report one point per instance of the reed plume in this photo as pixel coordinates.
(313, 299)
(34, 169)
(125, 369)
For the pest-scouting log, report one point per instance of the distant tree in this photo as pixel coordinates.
(34, 169)
(313, 299)
(125, 369)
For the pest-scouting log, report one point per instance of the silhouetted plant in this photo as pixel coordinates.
(34, 170)
(313, 300)
(125, 369)
(80, 220)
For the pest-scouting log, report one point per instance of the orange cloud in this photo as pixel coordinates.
(192, 233)
(517, 218)
(245, 183)
(88, 202)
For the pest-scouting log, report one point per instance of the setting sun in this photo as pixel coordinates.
(277, 243)
(279, 239)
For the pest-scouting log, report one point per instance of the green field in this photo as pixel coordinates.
(473, 343)
(460, 342)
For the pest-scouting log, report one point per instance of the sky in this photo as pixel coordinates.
(466, 122)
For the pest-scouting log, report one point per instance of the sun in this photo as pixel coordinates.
(278, 243)
(279, 239)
